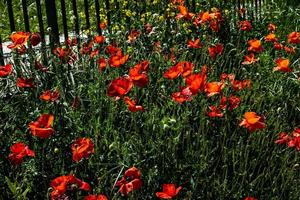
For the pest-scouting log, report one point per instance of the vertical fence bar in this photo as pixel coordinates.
(87, 14)
(40, 20)
(75, 13)
(52, 21)
(1, 52)
(41, 27)
(25, 15)
(108, 14)
(64, 19)
(97, 7)
(11, 16)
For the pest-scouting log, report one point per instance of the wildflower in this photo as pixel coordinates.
(294, 38)
(95, 197)
(119, 87)
(50, 96)
(183, 95)
(19, 39)
(42, 128)
(245, 25)
(213, 88)
(18, 152)
(272, 27)
(252, 121)
(35, 39)
(101, 64)
(169, 191)
(63, 183)
(271, 38)
(250, 59)
(282, 65)
(255, 46)
(194, 44)
(183, 68)
(82, 148)
(130, 181)
(100, 39)
(215, 50)
(132, 105)
(5, 70)
(138, 74)
(25, 83)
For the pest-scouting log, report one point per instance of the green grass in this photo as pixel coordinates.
(169, 143)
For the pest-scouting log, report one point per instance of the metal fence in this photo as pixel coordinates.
(50, 9)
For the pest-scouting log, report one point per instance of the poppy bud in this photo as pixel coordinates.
(35, 39)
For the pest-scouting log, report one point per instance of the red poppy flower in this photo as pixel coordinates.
(130, 181)
(250, 198)
(95, 197)
(132, 105)
(272, 27)
(255, 46)
(238, 85)
(213, 88)
(215, 111)
(133, 35)
(194, 44)
(202, 18)
(18, 151)
(19, 39)
(119, 87)
(42, 128)
(245, 25)
(196, 82)
(169, 191)
(138, 74)
(5, 70)
(94, 53)
(113, 50)
(184, 13)
(282, 65)
(284, 138)
(183, 95)
(35, 39)
(234, 102)
(250, 59)
(100, 39)
(252, 121)
(183, 68)
(63, 183)
(82, 148)
(25, 83)
(294, 38)
(271, 38)
(102, 64)
(278, 46)
(65, 54)
(215, 50)
(50, 96)
(290, 50)
(103, 25)
(118, 60)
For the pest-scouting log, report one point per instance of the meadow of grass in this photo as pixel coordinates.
(169, 142)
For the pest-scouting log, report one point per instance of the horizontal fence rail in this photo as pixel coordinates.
(59, 17)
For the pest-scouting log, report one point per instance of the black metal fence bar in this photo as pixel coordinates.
(52, 21)
(11, 16)
(87, 14)
(25, 15)
(40, 20)
(97, 7)
(64, 18)
(1, 52)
